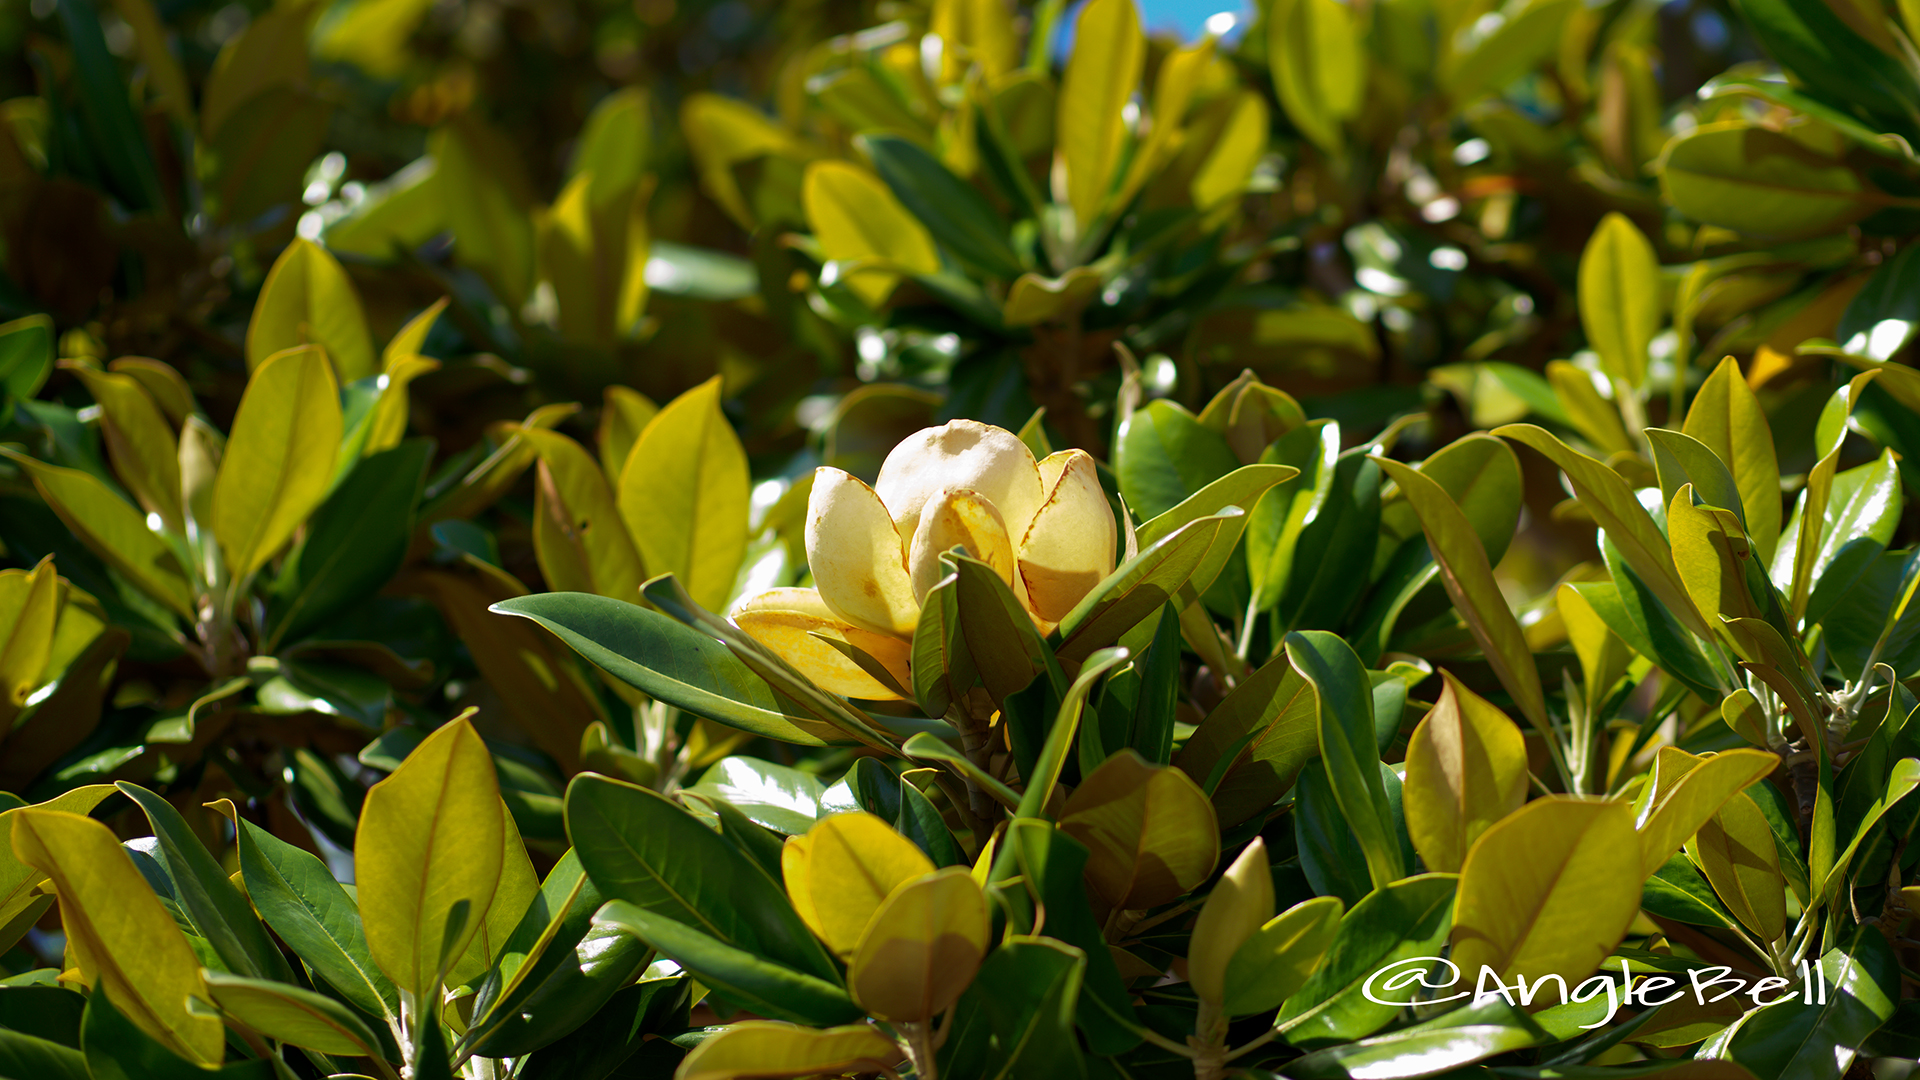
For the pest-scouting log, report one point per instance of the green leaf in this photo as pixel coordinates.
(219, 912)
(634, 1023)
(1406, 921)
(1137, 706)
(943, 669)
(117, 1049)
(580, 537)
(1345, 726)
(292, 1015)
(279, 459)
(1457, 1038)
(957, 215)
(1620, 297)
(1482, 476)
(684, 668)
(111, 528)
(878, 790)
(26, 355)
(1754, 180)
(640, 848)
(744, 975)
(1276, 961)
(1330, 854)
(1273, 529)
(1163, 455)
(1466, 769)
(1862, 511)
(1880, 319)
(307, 299)
(1250, 747)
(1053, 756)
(1338, 543)
(430, 842)
(565, 993)
(140, 442)
(1516, 46)
(778, 797)
(1681, 460)
(22, 1054)
(1017, 1018)
(113, 130)
(1677, 891)
(355, 543)
(1901, 780)
(1818, 1040)
(1613, 506)
(298, 897)
(1813, 42)
(1468, 578)
(1002, 642)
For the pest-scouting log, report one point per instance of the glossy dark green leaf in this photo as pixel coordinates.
(640, 848)
(878, 790)
(747, 978)
(1338, 543)
(1823, 52)
(1050, 866)
(778, 797)
(1000, 635)
(663, 658)
(1651, 623)
(1345, 728)
(26, 355)
(618, 1033)
(1274, 526)
(1681, 460)
(25, 1055)
(1677, 891)
(959, 217)
(1817, 1041)
(943, 669)
(222, 915)
(581, 979)
(113, 130)
(355, 542)
(1164, 455)
(298, 897)
(1404, 921)
(1453, 1039)
(1330, 854)
(1017, 1018)
(1137, 706)
(48, 1012)
(1862, 511)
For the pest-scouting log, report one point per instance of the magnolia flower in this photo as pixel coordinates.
(1045, 527)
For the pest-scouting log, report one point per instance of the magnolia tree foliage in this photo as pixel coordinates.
(837, 542)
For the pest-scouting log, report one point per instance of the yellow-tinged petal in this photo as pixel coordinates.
(1069, 547)
(961, 454)
(1236, 909)
(858, 560)
(954, 518)
(841, 871)
(786, 620)
(922, 947)
(769, 1048)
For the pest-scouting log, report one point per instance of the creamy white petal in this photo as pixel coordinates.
(787, 620)
(1069, 547)
(958, 518)
(857, 557)
(961, 454)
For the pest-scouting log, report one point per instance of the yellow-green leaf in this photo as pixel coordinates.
(1603, 656)
(1726, 417)
(511, 898)
(1620, 297)
(118, 935)
(1277, 961)
(1592, 415)
(625, 414)
(1607, 496)
(857, 220)
(1755, 180)
(141, 445)
(1466, 770)
(308, 300)
(1549, 890)
(1318, 66)
(1686, 791)
(279, 459)
(1235, 911)
(167, 386)
(488, 202)
(771, 1050)
(30, 603)
(1180, 74)
(840, 871)
(1735, 849)
(430, 838)
(17, 879)
(1235, 154)
(922, 947)
(684, 494)
(400, 364)
(574, 493)
(1150, 831)
(1468, 578)
(111, 528)
(1109, 51)
(291, 1015)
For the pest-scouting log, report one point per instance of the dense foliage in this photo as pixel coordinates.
(734, 539)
